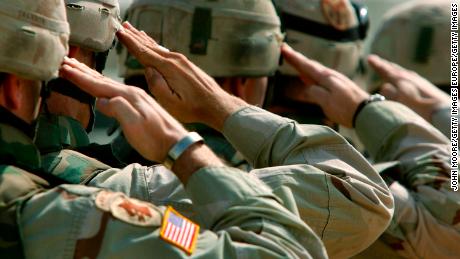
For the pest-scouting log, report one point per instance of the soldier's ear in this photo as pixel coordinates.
(10, 93)
(73, 51)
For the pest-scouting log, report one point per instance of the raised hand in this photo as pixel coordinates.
(147, 126)
(337, 95)
(408, 88)
(182, 88)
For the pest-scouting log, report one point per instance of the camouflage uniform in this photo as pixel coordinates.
(345, 186)
(42, 218)
(413, 158)
(79, 228)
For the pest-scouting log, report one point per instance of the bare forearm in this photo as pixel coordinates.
(194, 158)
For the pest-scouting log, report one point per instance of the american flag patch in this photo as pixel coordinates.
(179, 231)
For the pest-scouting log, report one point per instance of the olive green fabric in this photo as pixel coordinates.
(244, 218)
(34, 38)
(335, 190)
(426, 220)
(16, 185)
(311, 168)
(224, 38)
(56, 137)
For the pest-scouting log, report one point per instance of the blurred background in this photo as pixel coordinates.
(377, 9)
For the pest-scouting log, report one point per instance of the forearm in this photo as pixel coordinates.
(226, 198)
(266, 139)
(315, 159)
(193, 159)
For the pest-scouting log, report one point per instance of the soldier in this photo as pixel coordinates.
(161, 187)
(324, 163)
(426, 29)
(33, 43)
(68, 113)
(236, 42)
(330, 32)
(43, 219)
(411, 155)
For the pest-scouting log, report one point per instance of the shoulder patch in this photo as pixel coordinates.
(129, 210)
(179, 231)
(337, 13)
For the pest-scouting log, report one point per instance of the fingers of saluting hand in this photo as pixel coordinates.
(91, 81)
(310, 70)
(385, 69)
(316, 94)
(144, 48)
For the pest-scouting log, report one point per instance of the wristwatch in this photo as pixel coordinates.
(180, 147)
(372, 98)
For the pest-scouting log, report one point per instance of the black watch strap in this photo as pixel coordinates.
(372, 98)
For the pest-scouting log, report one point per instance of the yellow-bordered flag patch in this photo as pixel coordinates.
(179, 230)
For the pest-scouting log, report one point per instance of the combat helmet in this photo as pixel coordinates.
(414, 35)
(34, 36)
(93, 24)
(223, 37)
(329, 31)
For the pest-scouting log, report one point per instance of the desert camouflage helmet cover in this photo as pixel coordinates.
(323, 30)
(224, 37)
(93, 23)
(415, 35)
(33, 37)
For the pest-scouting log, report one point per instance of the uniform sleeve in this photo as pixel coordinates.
(426, 222)
(335, 189)
(244, 220)
(441, 120)
(154, 184)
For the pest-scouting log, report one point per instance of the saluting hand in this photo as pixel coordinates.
(337, 95)
(182, 88)
(408, 88)
(146, 125)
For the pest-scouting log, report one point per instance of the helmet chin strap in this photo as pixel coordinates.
(67, 88)
(9, 118)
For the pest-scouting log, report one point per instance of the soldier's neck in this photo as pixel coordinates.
(57, 132)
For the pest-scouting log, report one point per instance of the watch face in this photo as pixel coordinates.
(376, 97)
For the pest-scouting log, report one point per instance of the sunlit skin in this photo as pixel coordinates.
(60, 104)
(21, 97)
(409, 88)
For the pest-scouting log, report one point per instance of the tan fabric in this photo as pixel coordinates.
(244, 218)
(93, 23)
(341, 56)
(426, 221)
(34, 36)
(335, 189)
(441, 120)
(244, 36)
(424, 26)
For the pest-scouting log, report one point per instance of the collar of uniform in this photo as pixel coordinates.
(16, 148)
(58, 132)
